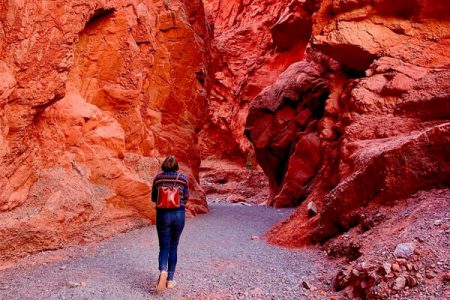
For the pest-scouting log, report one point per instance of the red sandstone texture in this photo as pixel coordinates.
(231, 182)
(363, 117)
(253, 42)
(360, 127)
(93, 94)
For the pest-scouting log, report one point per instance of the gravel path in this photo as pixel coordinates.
(217, 260)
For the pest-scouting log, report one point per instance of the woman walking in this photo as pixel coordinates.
(170, 192)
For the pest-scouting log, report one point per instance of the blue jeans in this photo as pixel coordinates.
(169, 224)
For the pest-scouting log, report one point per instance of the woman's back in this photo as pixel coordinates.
(171, 179)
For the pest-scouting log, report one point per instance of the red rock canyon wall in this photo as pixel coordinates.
(363, 117)
(253, 42)
(93, 94)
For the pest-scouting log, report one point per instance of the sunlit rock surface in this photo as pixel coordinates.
(93, 95)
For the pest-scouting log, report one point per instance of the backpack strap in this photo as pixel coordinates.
(176, 179)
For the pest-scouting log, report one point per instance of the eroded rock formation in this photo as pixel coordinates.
(253, 42)
(92, 95)
(357, 134)
(230, 182)
(364, 117)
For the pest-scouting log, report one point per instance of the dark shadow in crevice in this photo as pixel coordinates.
(318, 107)
(401, 9)
(100, 13)
(353, 73)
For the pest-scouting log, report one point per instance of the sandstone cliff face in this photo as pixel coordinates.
(93, 94)
(363, 117)
(253, 42)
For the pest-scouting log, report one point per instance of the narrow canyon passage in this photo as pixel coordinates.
(219, 258)
(320, 126)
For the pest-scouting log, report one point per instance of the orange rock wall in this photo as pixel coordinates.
(93, 94)
(363, 117)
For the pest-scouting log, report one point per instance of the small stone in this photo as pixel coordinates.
(83, 284)
(401, 261)
(312, 209)
(410, 267)
(72, 284)
(395, 267)
(306, 285)
(404, 250)
(255, 237)
(411, 281)
(369, 72)
(63, 267)
(419, 276)
(429, 275)
(400, 283)
(420, 239)
(446, 276)
(387, 267)
(437, 222)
